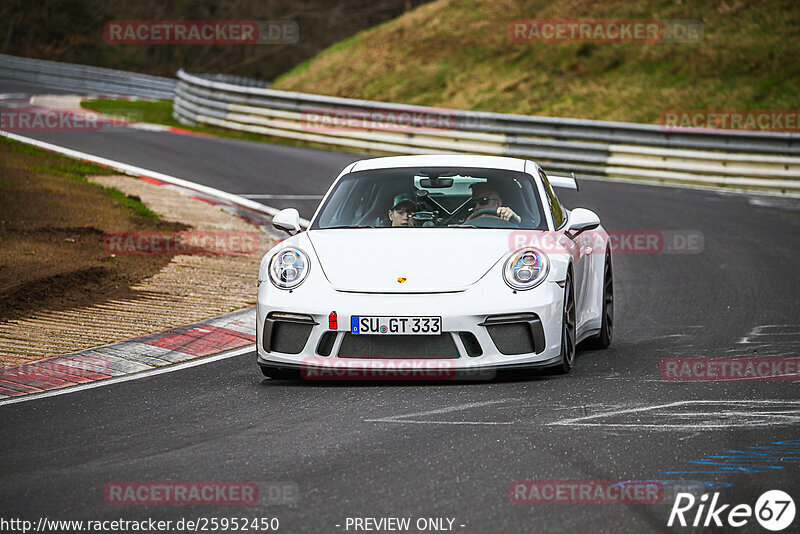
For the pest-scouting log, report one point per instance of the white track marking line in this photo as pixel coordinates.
(759, 331)
(401, 418)
(774, 334)
(283, 197)
(722, 190)
(581, 421)
(145, 126)
(689, 427)
(126, 378)
(140, 171)
(618, 412)
(776, 203)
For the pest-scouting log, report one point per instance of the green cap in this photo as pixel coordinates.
(404, 199)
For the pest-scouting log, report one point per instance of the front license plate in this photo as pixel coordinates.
(395, 325)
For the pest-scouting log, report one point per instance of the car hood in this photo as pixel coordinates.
(428, 260)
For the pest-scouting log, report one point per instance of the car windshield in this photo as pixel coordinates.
(433, 198)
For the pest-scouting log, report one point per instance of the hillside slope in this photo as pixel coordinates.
(459, 53)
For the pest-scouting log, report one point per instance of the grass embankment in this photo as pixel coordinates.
(459, 54)
(52, 222)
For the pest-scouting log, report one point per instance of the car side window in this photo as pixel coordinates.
(552, 200)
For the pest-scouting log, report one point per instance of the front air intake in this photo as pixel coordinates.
(287, 332)
(518, 333)
(398, 347)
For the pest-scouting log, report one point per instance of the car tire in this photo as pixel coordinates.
(568, 334)
(603, 339)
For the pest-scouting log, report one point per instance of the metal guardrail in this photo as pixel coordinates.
(85, 78)
(589, 147)
(234, 79)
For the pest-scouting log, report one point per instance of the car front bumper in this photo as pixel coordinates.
(512, 329)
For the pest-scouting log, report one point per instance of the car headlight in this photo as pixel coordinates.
(288, 268)
(526, 269)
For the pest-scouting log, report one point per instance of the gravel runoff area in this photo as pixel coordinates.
(189, 288)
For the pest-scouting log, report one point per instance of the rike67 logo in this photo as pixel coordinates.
(774, 510)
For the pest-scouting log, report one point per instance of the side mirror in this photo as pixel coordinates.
(581, 219)
(287, 220)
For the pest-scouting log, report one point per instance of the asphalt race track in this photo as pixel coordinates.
(433, 450)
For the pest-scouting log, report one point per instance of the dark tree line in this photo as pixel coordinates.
(72, 31)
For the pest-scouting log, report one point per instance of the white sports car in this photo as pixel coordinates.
(470, 261)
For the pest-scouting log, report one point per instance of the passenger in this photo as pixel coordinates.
(400, 214)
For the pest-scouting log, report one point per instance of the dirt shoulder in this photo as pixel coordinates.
(52, 222)
(64, 288)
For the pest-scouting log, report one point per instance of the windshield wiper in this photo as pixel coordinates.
(461, 226)
(347, 226)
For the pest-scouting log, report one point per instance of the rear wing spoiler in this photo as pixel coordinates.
(566, 182)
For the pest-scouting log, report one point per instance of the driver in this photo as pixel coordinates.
(487, 198)
(400, 213)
